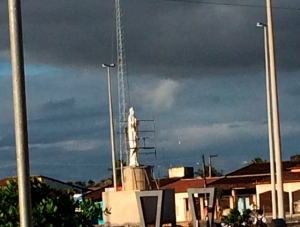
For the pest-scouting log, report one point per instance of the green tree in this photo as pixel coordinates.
(80, 183)
(91, 183)
(295, 157)
(50, 207)
(235, 218)
(258, 160)
(214, 172)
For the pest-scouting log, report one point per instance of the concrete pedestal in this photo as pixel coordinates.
(137, 178)
(139, 208)
(120, 208)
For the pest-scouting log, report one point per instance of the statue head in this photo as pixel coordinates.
(131, 111)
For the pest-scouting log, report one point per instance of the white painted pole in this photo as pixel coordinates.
(275, 112)
(112, 134)
(111, 123)
(270, 125)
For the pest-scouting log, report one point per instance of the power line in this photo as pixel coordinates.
(229, 4)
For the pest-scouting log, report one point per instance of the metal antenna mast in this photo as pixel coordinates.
(122, 80)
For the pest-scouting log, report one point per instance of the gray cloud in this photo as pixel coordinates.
(67, 116)
(198, 69)
(158, 35)
(57, 163)
(59, 105)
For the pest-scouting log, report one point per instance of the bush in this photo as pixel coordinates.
(235, 218)
(50, 207)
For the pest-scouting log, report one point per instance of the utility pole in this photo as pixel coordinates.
(20, 115)
(203, 170)
(209, 162)
(205, 196)
(270, 120)
(275, 111)
(111, 121)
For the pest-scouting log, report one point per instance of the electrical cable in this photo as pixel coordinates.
(229, 4)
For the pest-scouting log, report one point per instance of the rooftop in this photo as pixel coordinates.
(183, 184)
(262, 168)
(257, 173)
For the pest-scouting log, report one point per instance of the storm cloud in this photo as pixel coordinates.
(197, 69)
(158, 34)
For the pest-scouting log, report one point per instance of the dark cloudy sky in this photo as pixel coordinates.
(198, 69)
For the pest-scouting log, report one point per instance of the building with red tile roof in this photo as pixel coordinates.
(183, 184)
(250, 186)
(183, 213)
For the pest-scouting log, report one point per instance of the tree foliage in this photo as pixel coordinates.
(214, 172)
(295, 157)
(50, 207)
(258, 160)
(235, 218)
(85, 184)
(91, 183)
(80, 183)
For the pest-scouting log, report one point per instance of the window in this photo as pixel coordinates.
(186, 201)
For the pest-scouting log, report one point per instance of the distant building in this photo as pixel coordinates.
(245, 188)
(183, 212)
(182, 172)
(250, 187)
(54, 183)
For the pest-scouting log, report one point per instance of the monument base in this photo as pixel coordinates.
(139, 208)
(138, 178)
(120, 208)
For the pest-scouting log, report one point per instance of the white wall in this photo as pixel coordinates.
(287, 187)
(122, 206)
(180, 206)
(181, 214)
(261, 188)
(177, 172)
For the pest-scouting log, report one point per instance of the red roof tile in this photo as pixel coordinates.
(256, 173)
(166, 181)
(3, 181)
(296, 166)
(262, 168)
(95, 195)
(237, 182)
(287, 177)
(183, 184)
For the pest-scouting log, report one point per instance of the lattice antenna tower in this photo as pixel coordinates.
(123, 93)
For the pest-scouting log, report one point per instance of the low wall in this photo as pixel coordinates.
(120, 208)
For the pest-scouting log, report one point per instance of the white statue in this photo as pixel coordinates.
(132, 135)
